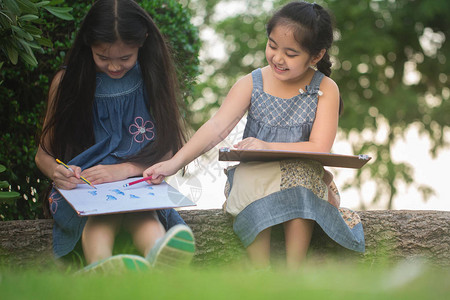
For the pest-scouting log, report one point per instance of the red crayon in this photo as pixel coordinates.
(137, 181)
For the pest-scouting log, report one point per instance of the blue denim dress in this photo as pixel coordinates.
(122, 127)
(263, 194)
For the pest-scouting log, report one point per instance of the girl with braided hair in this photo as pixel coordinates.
(294, 105)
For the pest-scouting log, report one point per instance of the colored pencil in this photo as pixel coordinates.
(137, 181)
(69, 168)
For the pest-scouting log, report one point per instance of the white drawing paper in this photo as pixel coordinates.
(113, 197)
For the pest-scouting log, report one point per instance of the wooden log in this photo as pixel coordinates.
(26, 241)
(389, 234)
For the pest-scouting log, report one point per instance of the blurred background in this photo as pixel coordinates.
(389, 60)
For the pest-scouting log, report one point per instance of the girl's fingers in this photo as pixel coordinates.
(65, 185)
(147, 173)
(77, 172)
(157, 180)
(238, 145)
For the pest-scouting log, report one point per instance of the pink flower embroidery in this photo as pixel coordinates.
(53, 200)
(142, 130)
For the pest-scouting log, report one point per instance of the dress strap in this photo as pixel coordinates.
(257, 79)
(315, 81)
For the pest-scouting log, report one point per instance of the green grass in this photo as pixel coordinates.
(315, 281)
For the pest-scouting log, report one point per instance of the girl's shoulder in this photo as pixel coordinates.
(329, 85)
(251, 80)
(244, 83)
(329, 95)
(240, 94)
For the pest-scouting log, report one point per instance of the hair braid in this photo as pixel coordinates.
(324, 65)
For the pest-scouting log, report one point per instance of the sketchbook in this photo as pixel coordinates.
(113, 197)
(326, 159)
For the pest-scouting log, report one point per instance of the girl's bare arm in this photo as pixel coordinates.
(211, 133)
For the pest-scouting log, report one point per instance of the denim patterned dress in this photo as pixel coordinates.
(122, 127)
(264, 194)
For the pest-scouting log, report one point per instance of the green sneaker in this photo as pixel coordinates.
(174, 250)
(117, 264)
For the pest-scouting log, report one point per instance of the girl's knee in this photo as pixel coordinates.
(143, 224)
(106, 223)
(134, 220)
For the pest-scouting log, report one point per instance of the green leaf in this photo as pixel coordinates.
(20, 32)
(12, 6)
(13, 54)
(27, 6)
(25, 47)
(44, 42)
(60, 12)
(4, 184)
(29, 59)
(27, 18)
(29, 45)
(32, 29)
(2, 167)
(8, 196)
(4, 23)
(42, 3)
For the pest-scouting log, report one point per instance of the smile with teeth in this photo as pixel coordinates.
(280, 68)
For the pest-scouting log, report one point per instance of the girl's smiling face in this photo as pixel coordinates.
(114, 59)
(288, 61)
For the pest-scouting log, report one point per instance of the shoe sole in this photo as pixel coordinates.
(177, 249)
(118, 264)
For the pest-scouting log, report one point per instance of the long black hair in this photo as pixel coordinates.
(69, 129)
(313, 30)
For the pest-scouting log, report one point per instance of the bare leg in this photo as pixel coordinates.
(145, 229)
(333, 193)
(98, 236)
(298, 234)
(259, 251)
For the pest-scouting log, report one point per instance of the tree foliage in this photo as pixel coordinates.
(20, 36)
(5, 194)
(390, 62)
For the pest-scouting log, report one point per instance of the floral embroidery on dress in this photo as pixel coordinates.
(53, 200)
(142, 130)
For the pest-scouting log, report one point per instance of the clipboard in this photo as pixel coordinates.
(113, 197)
(326, 159)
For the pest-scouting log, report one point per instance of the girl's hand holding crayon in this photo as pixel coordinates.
(65, 178)
(160, 170)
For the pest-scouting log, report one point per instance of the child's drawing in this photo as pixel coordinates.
(110, 198)
(114, 198)
(119, 192)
